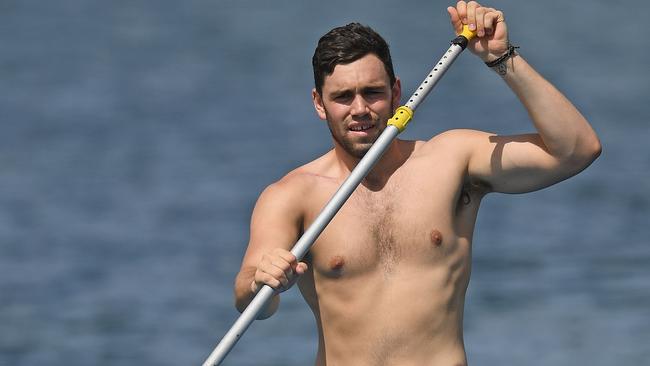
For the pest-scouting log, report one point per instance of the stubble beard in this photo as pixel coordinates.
(357, 150)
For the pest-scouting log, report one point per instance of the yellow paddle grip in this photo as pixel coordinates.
(469, 34)
(401, 117)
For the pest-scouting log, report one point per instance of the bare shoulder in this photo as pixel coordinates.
(286, 192)
(460, 138)
(455, 149)
(291, 189)
(456, 143)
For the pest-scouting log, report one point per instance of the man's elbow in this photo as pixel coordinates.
(593, 149)
(586, 154)
(597, 149)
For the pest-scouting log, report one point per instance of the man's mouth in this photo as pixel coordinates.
(361, 127)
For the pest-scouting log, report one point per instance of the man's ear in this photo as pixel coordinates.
(318, 104)
(397, 93)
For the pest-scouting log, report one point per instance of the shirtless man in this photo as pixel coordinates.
(386, 280)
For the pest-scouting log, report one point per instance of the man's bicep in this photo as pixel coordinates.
(514, 164)
(275, 223)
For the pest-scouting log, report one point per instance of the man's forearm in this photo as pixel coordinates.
(565, 132)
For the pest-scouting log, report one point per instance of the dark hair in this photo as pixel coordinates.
(347, 44)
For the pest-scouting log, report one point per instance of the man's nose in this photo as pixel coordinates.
(359, 106)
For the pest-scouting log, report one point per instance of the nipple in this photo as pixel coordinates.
(436, 237)
(336, 263)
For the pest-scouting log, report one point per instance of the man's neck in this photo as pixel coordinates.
(394, 157)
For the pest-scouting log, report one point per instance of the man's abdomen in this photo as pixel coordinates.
(412, 316)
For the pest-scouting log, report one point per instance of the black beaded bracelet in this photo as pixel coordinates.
(507, 55)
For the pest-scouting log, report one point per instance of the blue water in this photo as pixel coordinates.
(137, 135)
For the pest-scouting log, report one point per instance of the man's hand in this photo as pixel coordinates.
(491, 40)
(279, 269)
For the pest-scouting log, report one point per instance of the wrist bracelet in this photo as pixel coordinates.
(507, 55)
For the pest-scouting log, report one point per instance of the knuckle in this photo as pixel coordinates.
(286, 264)
(263, 280)
(261, 276)
(272, 272)
(282, 265)
(278, 273)
(262, 266)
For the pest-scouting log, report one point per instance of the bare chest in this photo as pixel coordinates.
(388, 231)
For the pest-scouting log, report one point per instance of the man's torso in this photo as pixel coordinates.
(388, 275)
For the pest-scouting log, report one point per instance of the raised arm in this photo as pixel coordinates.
(564, 143)
(275, 226)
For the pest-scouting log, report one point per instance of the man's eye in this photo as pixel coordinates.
(342, 97)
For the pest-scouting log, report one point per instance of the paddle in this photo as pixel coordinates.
(396, 124)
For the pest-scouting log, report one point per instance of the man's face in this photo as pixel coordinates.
(357, 100)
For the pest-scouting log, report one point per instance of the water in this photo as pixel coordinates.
(136, 137)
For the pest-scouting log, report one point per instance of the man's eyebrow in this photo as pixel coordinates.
(373, 88)
(379, 84)
(342, 91)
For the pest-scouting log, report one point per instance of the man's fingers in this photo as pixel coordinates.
(455, 19)
(282, 259)
(285, 254)
(274, 268)
(278, 279)
(489, 21)
(461, 8)
(480, 21)
(267, 279)
(301, 268)
(485, 20)
(281, 264)
(471, 15)
(279, 270)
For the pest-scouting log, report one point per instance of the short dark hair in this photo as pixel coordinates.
(346, 44)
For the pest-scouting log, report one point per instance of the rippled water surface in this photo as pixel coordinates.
(137, 135)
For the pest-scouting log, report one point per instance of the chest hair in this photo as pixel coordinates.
(379, 212)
